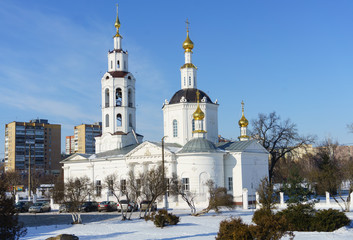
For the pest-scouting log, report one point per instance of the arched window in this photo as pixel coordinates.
(118, 64)
(130, 120)
(118, 120)
(107, 97)
(129, 98)
(118, 97)
(193, 124)
(175, 128)
(189, 80)
(106, 120)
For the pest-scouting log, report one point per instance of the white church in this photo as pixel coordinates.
(192, 149)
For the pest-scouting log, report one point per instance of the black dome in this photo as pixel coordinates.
(190, 96)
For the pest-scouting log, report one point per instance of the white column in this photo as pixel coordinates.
(245, 198)
(51, 202)
(34, 198)
(327, 198)
(17, 198)
(281, 194)
(257, 197)
(351, 207)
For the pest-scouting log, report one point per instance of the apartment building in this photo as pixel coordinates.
(69, 145)
(36, 143)
(84, 135)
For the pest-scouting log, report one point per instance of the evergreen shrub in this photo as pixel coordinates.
(163, 218)
(299, 216)
(328, 220)
(234, 229)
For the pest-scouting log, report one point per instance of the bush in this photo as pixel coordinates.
(329, 220)
(299, 217)
(234, 229)
(261, 215)
(269, 225)
(163, 218)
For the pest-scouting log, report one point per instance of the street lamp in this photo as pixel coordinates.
(163, 173)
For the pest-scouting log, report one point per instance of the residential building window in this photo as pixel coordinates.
(186, 185)
(175, 128)
(230, 183)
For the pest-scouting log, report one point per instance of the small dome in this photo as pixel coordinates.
(243, 122)
(198, 145)
(198, 114)
(188, 45)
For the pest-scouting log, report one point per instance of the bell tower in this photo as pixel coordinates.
(118, 100)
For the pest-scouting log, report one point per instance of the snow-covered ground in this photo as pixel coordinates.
(189, 227)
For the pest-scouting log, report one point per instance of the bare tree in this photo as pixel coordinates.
(152, 185)
(76, 192)
(177, 188)
(331, 166)
(218, 198)
(115, 187)
(278, 137)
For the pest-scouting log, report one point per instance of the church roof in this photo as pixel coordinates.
(190, 96)
(116, 152)
(237, 146)
(198, 145)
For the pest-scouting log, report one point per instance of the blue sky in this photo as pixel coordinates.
(292, 57)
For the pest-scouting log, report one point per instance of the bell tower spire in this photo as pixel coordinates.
(118, 100)
(117, 36)
(188, 70)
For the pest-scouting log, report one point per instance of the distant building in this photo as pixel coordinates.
(69, 145)
(37, 142)
(84, 135)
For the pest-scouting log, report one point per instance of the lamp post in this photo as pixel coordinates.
(29, 174)
(163, 174)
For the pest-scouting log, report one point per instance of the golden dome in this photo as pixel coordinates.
(243, 122)
(198, 114)
(188, 45)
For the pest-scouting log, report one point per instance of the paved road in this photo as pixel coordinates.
(55, 218)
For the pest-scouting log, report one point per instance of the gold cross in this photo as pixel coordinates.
(198, 96)
(187, 25)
